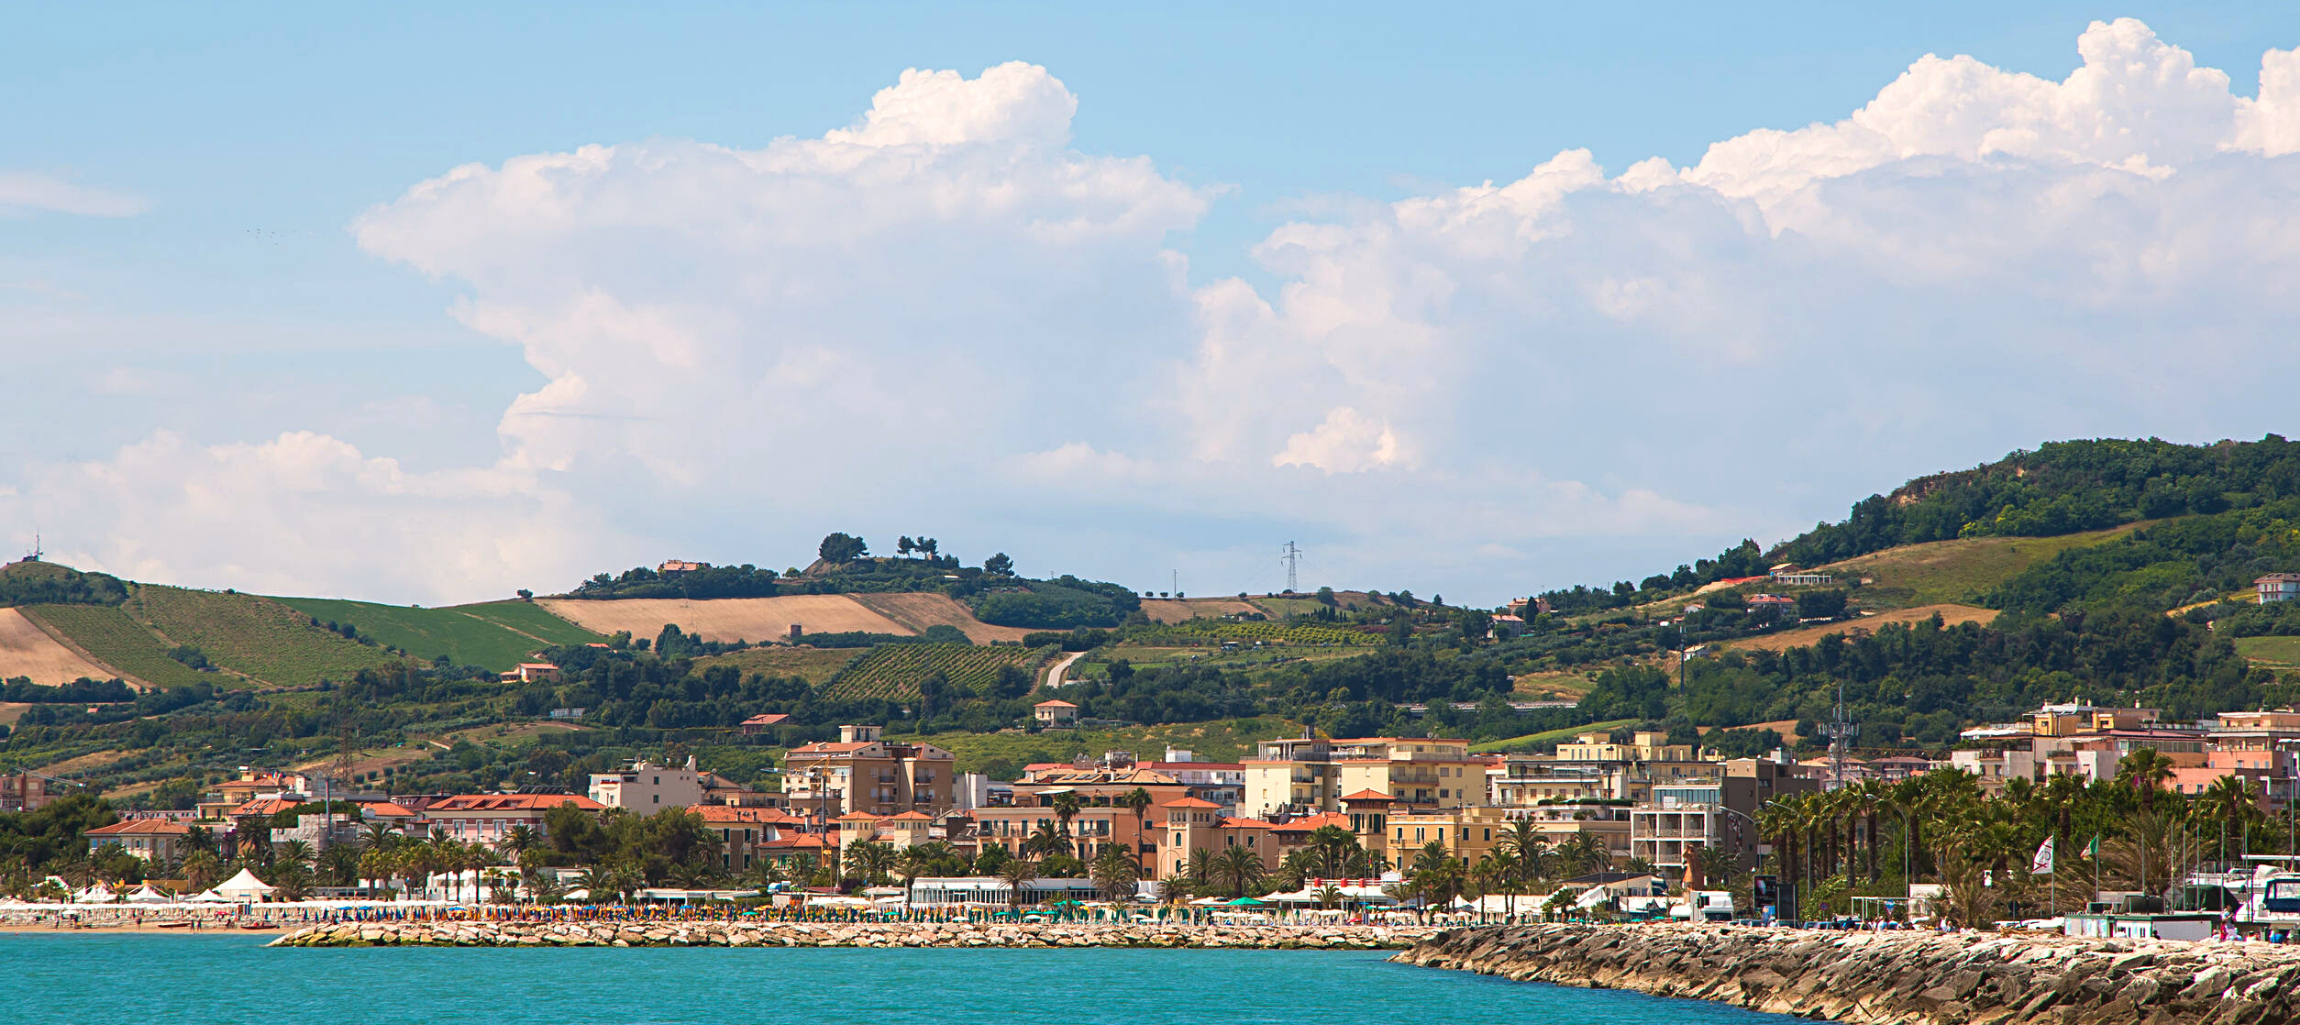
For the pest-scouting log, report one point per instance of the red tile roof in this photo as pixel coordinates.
(1190, 802)
(264, 806)
(1304, 825)
(512, 802)
(142, 827)
(386, 809)
(1229, 822)
(713, 814)
(913, 816)
(1368, 796)
(1054, 704)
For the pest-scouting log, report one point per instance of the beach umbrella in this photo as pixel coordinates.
(1246, 902)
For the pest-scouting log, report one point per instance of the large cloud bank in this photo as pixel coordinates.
(945, 317)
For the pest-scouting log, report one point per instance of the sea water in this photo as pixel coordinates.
(97, 979)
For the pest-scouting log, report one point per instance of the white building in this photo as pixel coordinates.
(647, 788)
(2278, 587)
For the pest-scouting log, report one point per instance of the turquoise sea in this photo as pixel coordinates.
(85, 979)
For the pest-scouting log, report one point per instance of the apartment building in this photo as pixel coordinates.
(863, 772)
(159, 841)
(742, 831)
(27, 791)
(646, 788)
(488, 818)
(1308, 775)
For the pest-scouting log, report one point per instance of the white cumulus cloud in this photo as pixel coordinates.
(27, 191)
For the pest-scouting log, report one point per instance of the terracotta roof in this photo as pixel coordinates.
(912, 816)
(1304, 825)
(1191, 802)
(801, 840)
(858, 816)
(512, 802)
(264, 806)
(1229, 822)
(1170, 767)
(1058, 703)
(846, 747)
(387, 809)
(142, 827)
(716, 813)
(766, 719)
(1368, 796)
(537, 665)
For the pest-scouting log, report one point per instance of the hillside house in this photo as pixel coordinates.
(681, 566)
(533, 672)
(759, 725)
(1055, 713)
(1788, 573)
(2278, 587)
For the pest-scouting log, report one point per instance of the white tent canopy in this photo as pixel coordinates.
(97, 894)
(241, 888)
(145, 894)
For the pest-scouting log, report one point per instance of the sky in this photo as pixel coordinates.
(420, 304)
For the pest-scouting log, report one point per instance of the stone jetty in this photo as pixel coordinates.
(714, 933)
(1903, 977)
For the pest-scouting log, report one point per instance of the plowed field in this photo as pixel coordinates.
(725, 619)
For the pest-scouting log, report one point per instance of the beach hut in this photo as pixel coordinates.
(243, 888)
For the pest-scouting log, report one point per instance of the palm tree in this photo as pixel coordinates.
(1016, 873)
(1138, 801)
(377, 836)
(293, 852)
(1199, 875)
(1047, 841)
(1525, 843)
(597, 882)
(1114, 874)
(1437, 879)
(871, 860)
(2145, 771)
(1330, 896)
(200, 869)
(517, 840)
(1238, 868)
(1498, 871)
(1065, 809)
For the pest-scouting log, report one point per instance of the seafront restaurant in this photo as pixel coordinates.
(991, 891)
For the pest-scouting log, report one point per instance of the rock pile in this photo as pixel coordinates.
(824, 934)
(1955, 979)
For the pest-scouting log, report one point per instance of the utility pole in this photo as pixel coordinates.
(1292, 557)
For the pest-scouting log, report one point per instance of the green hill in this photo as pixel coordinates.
(107, 634)
(261, 638)
(496, 635)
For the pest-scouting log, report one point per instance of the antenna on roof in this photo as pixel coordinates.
(36, 553)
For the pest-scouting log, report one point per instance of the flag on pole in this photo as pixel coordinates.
(2042, 863)
(2093, 850)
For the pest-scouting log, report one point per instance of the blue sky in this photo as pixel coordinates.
(236, 305)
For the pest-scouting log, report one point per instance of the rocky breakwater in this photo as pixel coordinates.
(825, 934)
(1921, 978)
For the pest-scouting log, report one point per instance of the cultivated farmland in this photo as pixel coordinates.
(919, 610)
(1951, 615)
(893, 671)
(473, 635)
(814, 665)
(107, 634)
(260, 637)
(26, 650)
(725, 619)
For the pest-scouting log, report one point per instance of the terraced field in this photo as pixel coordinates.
(894, 670)
(1958, 571)
(108, 635)
(256, 636)
(1204, 631)
(2279, 652)
(497, 635)
(814, 665)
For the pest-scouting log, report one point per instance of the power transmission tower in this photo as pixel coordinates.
(1292, 557)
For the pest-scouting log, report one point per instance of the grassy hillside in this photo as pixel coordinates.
(110, 637)
(497, 635)
(2278, 652)
(262, 638)
(895, 670)
(1959, 571)
(814, 665)
(1533, 740)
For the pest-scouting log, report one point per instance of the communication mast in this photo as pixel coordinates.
(1841, 734)
(1292, 557)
